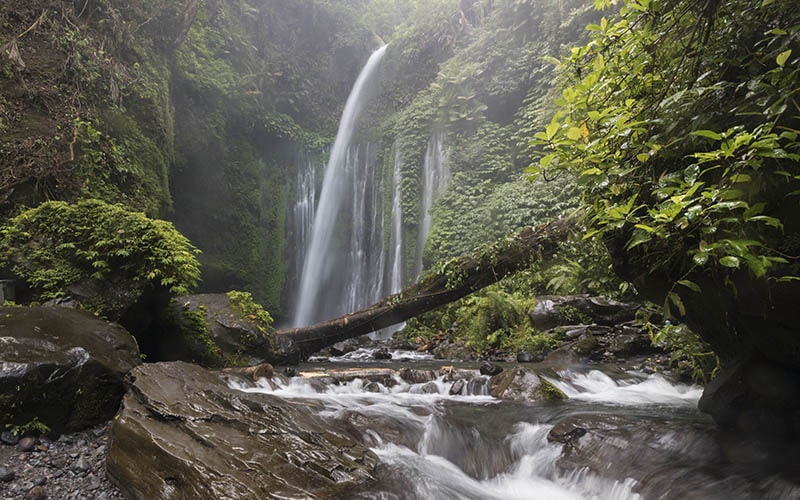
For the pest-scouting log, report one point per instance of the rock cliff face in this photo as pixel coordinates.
(182, 433)
(61, 366)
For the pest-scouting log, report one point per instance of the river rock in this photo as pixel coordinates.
(757, 398)
(61, 366)
(6, 475)
(490, 369)
(416, 376)
(633, 446)
(183, 433)
(521, 384)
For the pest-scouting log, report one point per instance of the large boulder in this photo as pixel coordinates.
(213, 330)
(61, 366)
(183, 433)
(632, 446)
(521, 384)
(758, 398)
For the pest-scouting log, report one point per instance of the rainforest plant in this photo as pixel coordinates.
(682, 121)
(58, 244)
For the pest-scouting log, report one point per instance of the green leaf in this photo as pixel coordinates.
(676, 300)
(700, 258)
(574, 133)
(710, 134)
(691, 285)
(783, 57)
(551, 130)
(729, 261)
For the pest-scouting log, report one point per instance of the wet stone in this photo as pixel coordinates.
(81, 465)
(491, 369)
(26, 444)
(457, 387)
(9, 438)
(6, 474)
(36, 493)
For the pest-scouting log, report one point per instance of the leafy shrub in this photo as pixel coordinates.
(58, 244)
(689, 354)
(687, 144)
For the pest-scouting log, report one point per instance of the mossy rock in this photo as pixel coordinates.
(218, 330)
(521, 384)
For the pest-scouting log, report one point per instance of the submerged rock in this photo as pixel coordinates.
(183, 433)
(61, 366)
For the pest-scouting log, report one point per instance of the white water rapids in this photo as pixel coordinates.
(449, 446)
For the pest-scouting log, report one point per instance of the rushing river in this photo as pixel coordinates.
(649, 440)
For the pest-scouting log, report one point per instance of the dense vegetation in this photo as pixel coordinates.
(57, 245)
(672, 126)
(681, 121)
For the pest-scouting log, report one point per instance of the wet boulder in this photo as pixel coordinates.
(61, 366)
(630, 447)
(756, 398)
(416, 375)
(521, 384)
(213, 330)
(183, 432)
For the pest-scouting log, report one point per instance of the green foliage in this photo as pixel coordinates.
(686, 143)
(487, 321)
(243, 301)
(34, 426)
(132, 169)
(197, 338)
(57, 244)
(689, 354)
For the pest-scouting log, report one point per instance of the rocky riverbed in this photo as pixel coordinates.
(70, 467)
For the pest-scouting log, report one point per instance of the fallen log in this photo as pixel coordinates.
(455, 279)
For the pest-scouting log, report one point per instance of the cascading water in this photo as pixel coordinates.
(396, 278)
(325, 278)
(353, 259)
(618, 436)
(302, 211)
(468, 445)
(435, 176)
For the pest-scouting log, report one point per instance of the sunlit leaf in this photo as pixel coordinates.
(783, 57)
(729, 261)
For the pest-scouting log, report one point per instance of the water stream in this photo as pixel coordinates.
(433, 444)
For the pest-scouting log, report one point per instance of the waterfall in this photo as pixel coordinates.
(396, 279)
(435, 176)
(302, 211)
(329, 285)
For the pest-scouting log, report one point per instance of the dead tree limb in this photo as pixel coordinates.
(456, 279)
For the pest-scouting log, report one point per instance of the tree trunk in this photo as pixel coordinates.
(457, 278)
